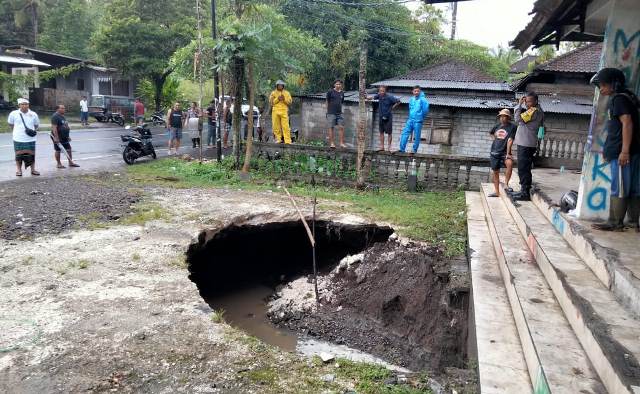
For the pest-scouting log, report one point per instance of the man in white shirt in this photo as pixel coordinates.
(84, 111)
(24, 123)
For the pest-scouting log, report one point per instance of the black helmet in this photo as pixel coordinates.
(568, 201)
(611, 76)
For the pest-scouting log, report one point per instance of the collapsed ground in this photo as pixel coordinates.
(106, 304)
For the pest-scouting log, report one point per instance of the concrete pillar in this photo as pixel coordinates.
(621, 49)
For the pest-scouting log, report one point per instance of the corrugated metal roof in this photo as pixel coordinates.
(559, 104)
(22, 60)
(459, 85)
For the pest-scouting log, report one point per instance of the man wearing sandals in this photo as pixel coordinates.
(335, 98)
(621, 148)
(60, 136)
(24, 123)
(503, 134)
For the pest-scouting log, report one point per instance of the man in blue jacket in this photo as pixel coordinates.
(418, 110)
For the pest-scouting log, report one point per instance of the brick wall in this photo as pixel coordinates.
(470, 136)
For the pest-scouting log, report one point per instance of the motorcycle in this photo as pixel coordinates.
(138, 144)
(157, 119)
(113, 117)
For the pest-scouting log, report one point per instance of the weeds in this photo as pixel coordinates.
(135, 257)
(145, 212)
(218, 316)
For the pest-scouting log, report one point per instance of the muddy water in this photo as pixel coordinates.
(246, 309)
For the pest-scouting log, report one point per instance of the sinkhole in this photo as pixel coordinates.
(399, 302)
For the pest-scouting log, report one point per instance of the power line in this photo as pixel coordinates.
(357, 4)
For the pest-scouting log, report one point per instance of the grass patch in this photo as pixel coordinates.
(144, 212)
(266, 376)
(435, 217)
(63, 269)
(93, 221)
(369, 378)
(135, 256)
(218, 316)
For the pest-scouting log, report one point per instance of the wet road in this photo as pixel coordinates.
(95, 149)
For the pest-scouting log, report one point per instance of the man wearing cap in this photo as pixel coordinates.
(621, 148)
(529, 118)
(503, 134)
(24, 123)
(280, 100)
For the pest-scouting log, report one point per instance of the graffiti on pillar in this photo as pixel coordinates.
(598, 195)
(626, 49)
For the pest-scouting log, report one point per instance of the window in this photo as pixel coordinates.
(104, 87)
(121, 88)
(438, 130)
(80, 84)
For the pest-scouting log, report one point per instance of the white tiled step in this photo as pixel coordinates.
(609, 334)
(555, 360)
(501, 365)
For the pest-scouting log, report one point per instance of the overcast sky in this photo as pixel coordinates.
(488, 22)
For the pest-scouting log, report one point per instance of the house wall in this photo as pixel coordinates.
(469, 137)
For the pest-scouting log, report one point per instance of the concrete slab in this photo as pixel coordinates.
(614, 257)
(555, 359)
(501, 364)
(608, 333)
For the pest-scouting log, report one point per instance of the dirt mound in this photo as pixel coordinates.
(405, 303)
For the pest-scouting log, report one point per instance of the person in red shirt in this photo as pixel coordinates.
(139, 111)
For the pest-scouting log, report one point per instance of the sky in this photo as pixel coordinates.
(488, 22)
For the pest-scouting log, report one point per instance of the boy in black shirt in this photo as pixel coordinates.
(60, 135)
(621, 148)
(335, 98)
(503, 134)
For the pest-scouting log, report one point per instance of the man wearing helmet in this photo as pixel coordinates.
(280, 100)
(621, 148)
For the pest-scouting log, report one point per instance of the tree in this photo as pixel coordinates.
(68, 25)
(138, 37)
(28, 13)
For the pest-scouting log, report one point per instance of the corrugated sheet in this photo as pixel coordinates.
(428, 84)
(553, 104)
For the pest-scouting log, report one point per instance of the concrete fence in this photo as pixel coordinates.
(338, 166)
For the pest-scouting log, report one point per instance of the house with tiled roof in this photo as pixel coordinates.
(522, 65)
(563, 88)
(463, 102)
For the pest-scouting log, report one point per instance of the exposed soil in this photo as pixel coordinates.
(403, 303)
(33, 207)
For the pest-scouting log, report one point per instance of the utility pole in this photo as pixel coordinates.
(454, 19)
(199, 65)
(362, 112)
(216, 81)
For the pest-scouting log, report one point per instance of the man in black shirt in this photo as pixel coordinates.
(386, 104)
(335, 98)
(60, 135)
(503, 134)
(621, 148)
(212, 116)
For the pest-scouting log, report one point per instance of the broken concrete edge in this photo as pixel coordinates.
(603, 261)
(617, 367)
(532, 359)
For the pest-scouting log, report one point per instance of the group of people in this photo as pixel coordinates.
(25, 123)
(621, 147)
(418, 111)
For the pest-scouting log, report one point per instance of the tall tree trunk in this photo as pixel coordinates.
(252, 91)
(158, 82)
(238, 78)
(362, 115)
(34, 22)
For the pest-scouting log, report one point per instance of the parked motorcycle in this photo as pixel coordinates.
(138, 144)
(113, 117)
(157, 119)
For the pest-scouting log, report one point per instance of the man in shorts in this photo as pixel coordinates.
(176, 121)
(60, 135)
(139, 111)
(386, 104)
(503, 134)
(335, 98)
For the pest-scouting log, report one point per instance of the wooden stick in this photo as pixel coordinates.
(306, 226)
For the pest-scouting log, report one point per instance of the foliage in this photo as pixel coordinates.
(16, 84)
(434, 217)
(169, 95)
(67, 27)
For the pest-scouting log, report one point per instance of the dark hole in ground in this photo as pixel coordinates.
(238, 255)
(405, 303)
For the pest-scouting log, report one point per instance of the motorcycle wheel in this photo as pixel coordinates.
(128, 155)
(120, 122)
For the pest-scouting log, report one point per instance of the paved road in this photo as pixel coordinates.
(95, 149)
